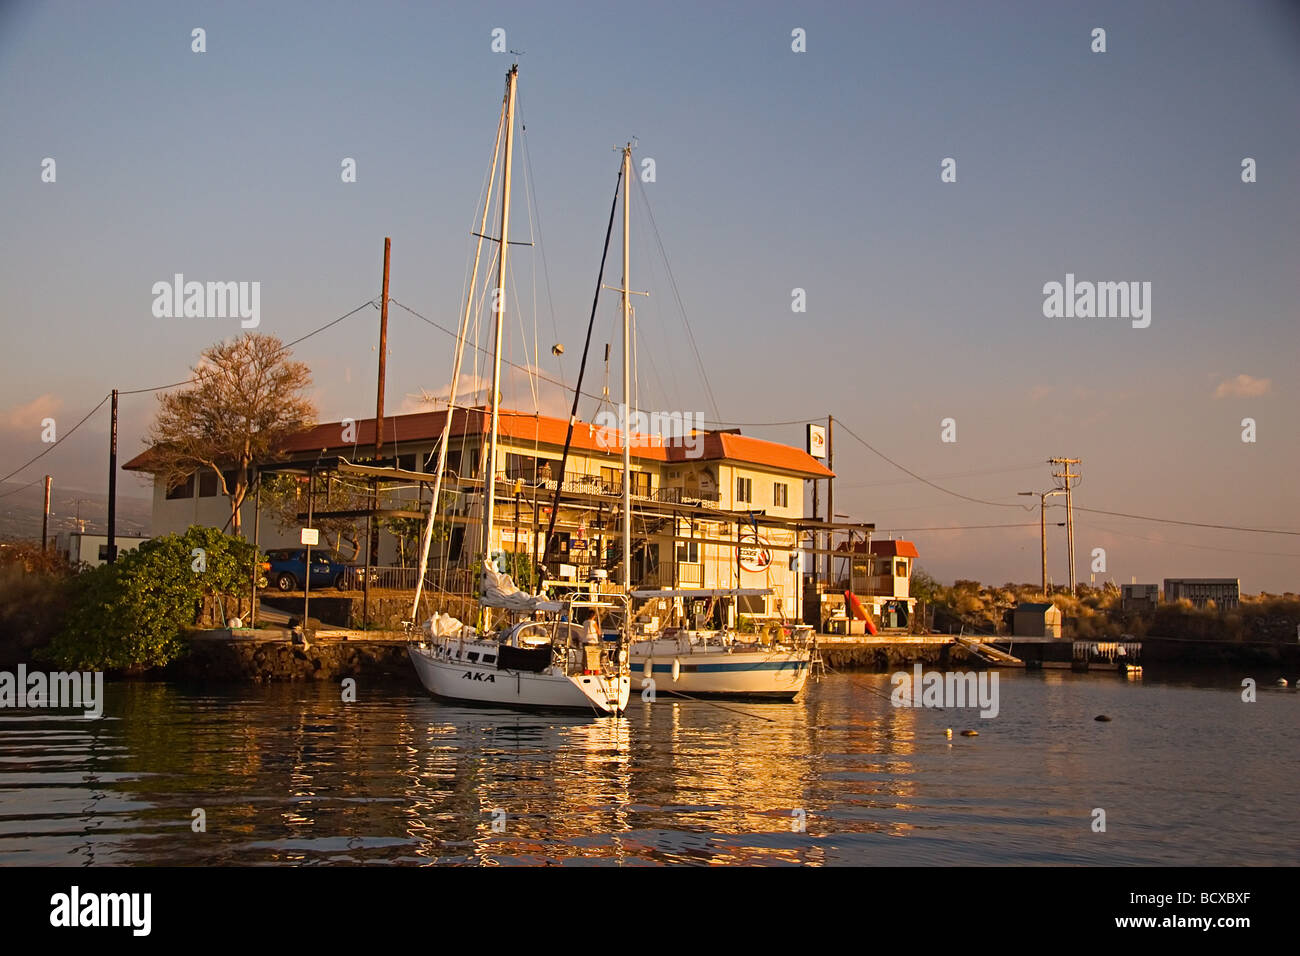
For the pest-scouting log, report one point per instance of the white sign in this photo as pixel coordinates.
(817, 441)
(755, 553)
(310, 536)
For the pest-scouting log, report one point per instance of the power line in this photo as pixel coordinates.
(927, 481)
(1202, 547)
(1189, 524)
(959, 527)
(283, 348)
(157, 388)
(24, 487)
(56, 444)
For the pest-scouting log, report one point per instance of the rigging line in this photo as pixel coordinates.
(541, 243)
(658, 321)
(1188, 524)
(926, 481)
(582, 368)
(56, 444)
(672, 281)
(480, 349)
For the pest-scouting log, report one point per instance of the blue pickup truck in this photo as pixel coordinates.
(286, 569)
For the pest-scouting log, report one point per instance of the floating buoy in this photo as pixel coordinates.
(1102, 717)
(648, 669)
(1281, 682)
(970, 733)
(677, 669)
(948, 733)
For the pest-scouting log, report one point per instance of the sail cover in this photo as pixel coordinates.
(500, 591)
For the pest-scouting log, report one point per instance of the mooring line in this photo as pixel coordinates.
(714, 703)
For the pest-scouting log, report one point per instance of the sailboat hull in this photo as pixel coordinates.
(475, 684)
(771, 674)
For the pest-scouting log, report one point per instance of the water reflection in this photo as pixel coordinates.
(291, 774)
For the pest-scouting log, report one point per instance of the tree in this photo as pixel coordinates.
(130, 615)
(245, 403)
(284, 497)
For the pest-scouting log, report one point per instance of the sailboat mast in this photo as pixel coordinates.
(499, 307)
(627, 370)
(455, 372)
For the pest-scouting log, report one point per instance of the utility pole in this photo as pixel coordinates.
(816, 562)
(1069, 507)
(830, 495)
(383, 354)
(372, 539)
(112, 485)
(1042, 525)
(45, 517)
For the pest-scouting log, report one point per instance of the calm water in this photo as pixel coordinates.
(1186, 772)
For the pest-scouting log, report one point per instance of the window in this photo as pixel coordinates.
(780, 495)
(453, 461)
(641, 483)
(208, 486)
(521, 466)
(744, 490)
(183, 490)
(406, 462)
(612, 480)
(900, 569)
(688, 552)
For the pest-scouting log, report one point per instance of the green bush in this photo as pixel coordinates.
(130, 615)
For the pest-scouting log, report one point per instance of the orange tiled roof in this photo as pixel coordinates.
(524, 428)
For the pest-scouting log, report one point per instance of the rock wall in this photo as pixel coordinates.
(276, 659)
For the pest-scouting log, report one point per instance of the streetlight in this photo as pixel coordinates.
(1042, 524)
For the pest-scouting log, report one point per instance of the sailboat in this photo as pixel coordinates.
(773, 663)
(545, 654)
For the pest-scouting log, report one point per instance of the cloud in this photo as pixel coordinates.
(29, 416)
(1243, 386)
(1039, 392)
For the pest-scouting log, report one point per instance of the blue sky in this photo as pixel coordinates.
(774, 170)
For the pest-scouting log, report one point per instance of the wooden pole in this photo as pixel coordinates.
(830, 497)
(383, 355)
(112, 486)
(45, 516)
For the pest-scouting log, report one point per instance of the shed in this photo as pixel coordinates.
(1036, 620)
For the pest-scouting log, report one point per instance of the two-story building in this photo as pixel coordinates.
(711, 509)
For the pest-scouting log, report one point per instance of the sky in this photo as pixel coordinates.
(774, 170)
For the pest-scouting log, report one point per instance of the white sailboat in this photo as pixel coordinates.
(773, 664)
(544, 659)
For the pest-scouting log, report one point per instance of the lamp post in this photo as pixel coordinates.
(1042, 524)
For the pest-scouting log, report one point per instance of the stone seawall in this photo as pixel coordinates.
(271, 657)
(883, 657)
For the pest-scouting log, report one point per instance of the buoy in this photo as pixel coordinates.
(948, 733)
(1281, 682)
(677, 669)
(970, 733)
(648, 669)
(1102, 717)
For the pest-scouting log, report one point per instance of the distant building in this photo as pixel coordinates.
(78, 547)
(1036, 620)
(1139, 597)
(1224, 592)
